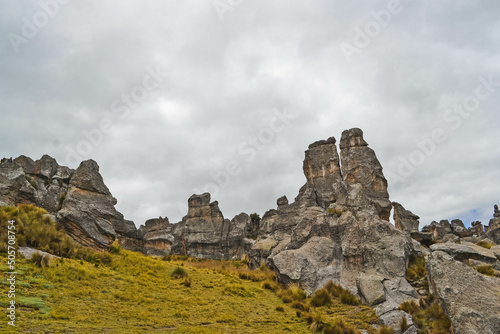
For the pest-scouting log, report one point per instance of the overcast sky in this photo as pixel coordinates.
(173, 98)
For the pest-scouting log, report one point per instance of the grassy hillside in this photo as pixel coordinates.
(127, 292)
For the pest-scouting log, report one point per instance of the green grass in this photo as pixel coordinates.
(137, 294)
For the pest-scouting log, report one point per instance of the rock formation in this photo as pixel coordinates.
(79, 199)
(336, 229)
(405, 220)
(206, 234)
(470, 299)
(493, 231)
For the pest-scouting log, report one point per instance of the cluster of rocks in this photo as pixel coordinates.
(337, 228)
(469, 298)
(78, 199)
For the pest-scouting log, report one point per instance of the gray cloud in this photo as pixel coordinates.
(227, 79)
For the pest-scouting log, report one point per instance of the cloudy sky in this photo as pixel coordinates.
(173, 98)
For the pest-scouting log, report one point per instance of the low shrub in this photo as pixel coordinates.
(115, 248)
(317, 323)
(293, 293)
(409, 306)
(338, 326)
(334, 289)
(385, 330)
(348, 298)
(321, 298)
(280, 308)
(179, 273)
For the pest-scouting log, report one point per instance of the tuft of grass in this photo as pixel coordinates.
(416, 268)
(293, 293)
(62, 197)
(270, 285)
(334, 212)
(348, 298)
(317, 322)
(41, 261)
(33, 302)
(485, 270)
(280, 308)
(187, 282)
(409, 306)
(485, 244)
(385, 330)
(321, 298)
(338, 326)
(179, 273)
(428, 317)
(403, 324)
(115, 248)
(334, 289)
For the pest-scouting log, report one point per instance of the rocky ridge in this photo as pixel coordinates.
(337, 228)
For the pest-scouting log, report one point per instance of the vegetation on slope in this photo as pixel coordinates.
(119, 291)
(427, 315)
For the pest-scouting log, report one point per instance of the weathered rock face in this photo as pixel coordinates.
(470, 299)
(322, 170)
(361, 166)
(405, 220)
(159, 236)
(78, 199)
(88, 211)
(337, 228)
(204, 233)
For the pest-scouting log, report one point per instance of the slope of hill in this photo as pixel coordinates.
(126, 292)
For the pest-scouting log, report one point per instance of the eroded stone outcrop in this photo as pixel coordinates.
(79, 199)
(361, 166)
(493, 229)
(405, 220)
(470, 299)
(336, 229)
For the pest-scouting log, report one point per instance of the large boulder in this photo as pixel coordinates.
(88, 211)
(466, 251)
(470, 299)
